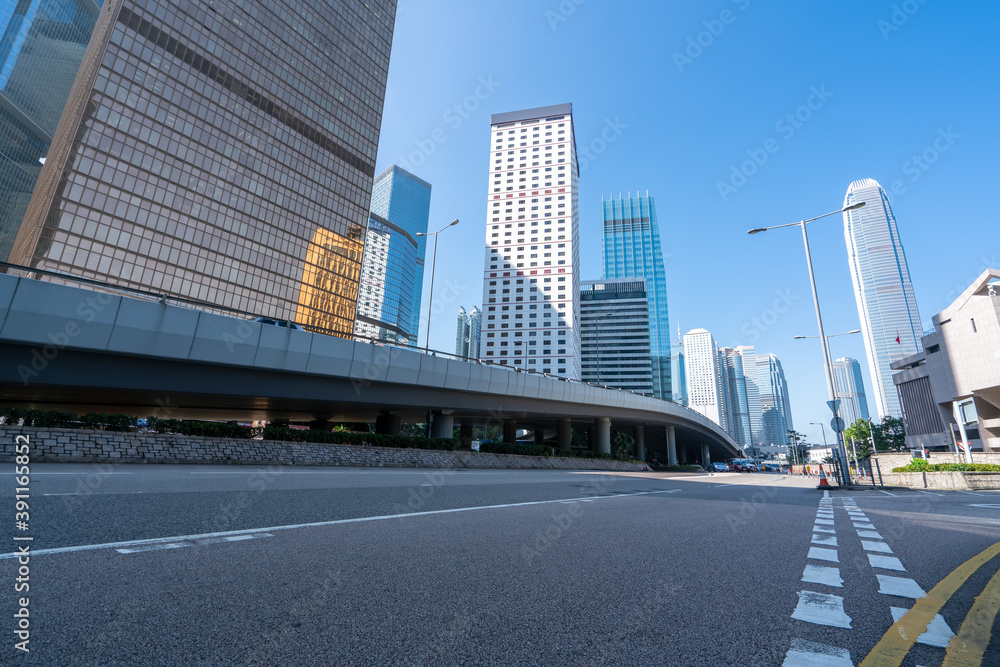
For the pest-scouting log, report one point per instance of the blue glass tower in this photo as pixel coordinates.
(632, 250)
(42, 43)
(890, 322)
(392, 270)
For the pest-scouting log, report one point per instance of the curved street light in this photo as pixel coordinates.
(430, 296)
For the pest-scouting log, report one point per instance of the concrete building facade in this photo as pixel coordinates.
(704, 383)
(950, 390)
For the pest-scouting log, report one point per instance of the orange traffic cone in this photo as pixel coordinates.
(823, 484)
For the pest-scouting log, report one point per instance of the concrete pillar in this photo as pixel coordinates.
(684, 455)
(388, 424)
(591, 440)
(443, 426)
(640, 442)
(602, 429)
(539, 434)
(671, 447)
(510, 431)
(565, 433)
(706, 455)
(465, 434)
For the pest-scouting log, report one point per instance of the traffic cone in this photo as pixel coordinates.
(823, 484)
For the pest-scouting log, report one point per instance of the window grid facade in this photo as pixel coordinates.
(614, 334)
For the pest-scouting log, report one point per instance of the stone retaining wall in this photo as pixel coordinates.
(960, 481)
(889, 460)
(57, 445)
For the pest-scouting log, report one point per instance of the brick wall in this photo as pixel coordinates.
(57, 445)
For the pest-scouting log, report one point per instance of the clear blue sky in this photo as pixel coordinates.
(890, 82)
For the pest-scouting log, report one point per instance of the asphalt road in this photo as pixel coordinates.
(168, 565)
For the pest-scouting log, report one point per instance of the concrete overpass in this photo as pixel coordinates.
(88, 350)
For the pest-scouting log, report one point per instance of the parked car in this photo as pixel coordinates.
(719, 466)
(743, 465)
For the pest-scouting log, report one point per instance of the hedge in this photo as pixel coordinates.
(351, 438)
(921, 465)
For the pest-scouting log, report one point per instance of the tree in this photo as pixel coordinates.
(860, 432)
(891, 434)
(621, 446)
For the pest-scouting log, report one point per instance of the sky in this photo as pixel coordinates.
(817, 95)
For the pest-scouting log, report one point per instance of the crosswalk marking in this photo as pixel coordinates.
(886, 562)
(810, 654)
(899, 586)
(821, 609)
(819, 553)
(821, 574)
(880, 547)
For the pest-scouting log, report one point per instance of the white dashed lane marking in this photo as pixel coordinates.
(811, 654)
(822, 609)
(871, 534)
(819, 553)
(880, 547)
(821, 574)
(825, 540)
(886, 562)
(938, 633)
(823, 529)
(899, 586)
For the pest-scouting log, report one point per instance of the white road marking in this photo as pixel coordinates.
(88, 472)
(185, 543)
(811, 654)
(821, 574)
(869, 533)
(887, 493)
(931, 493)
(826, 495)
(153, 547)
(864, 526)
(317, 524)
(987, 506)
(820, 553)
(886, 562)
(825, 522)
(900, 586)
(823, 529)
(821, 609)
(938, 633)
(824, 515)
(96, 493)
(968, 493)
(880, 547)
(829, 541)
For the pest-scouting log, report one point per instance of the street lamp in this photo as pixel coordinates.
(827, 363)
(430, 296)
(853, 331)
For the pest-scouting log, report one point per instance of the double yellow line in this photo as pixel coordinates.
(968, 647)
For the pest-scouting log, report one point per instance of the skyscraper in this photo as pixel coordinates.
(776, 412)
(850, 389)
(737, 407)
(392, 271)
(678, 379)
(704, 384)
(632, 250)
(614, 332)
(42, 43)
(890, 322)
(749, 360)
(462, 333)
(468, 333)
(223, 153)
(531, 271)
(475, 332)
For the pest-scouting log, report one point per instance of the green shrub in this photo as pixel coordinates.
(350, 438)
(514, 448)
(204, 429)
(921, 465)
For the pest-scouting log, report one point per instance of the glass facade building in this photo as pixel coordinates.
(736, 403)
(850, 389)
(614, 334)
(776, 412)
(42, 43)
(632, 250)
(222, 152)
(678, 380)
(890, 322)
(468, 333)
(392, 271)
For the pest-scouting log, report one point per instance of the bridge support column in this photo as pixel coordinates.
(684, 455)
(387, 424)
(671, 447)
(510, 431)
(565, 433)
(539, 434)
(465, 434)
(321, 425)
(640, 442)
(602, 428)
(706, 455)
(443, 426)
(591, 440)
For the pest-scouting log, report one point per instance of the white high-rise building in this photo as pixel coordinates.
(531, 278)
(890, 322)
(701, 367)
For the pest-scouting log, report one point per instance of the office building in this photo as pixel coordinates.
(704, 383)
(632, 250)
(776, 412)
(531, 277)
(614, 334)
(850, 389)
(468, 333)
(890, 322)
(223, 153)
(678, 375)
(736, 407)
(748, 360)
(950, 389)
(392, 270)
(42, 43)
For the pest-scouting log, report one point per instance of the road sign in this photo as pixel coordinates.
(834, 404)
(838, 424)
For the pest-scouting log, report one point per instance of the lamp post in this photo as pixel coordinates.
(430, 296)
(827, 364)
